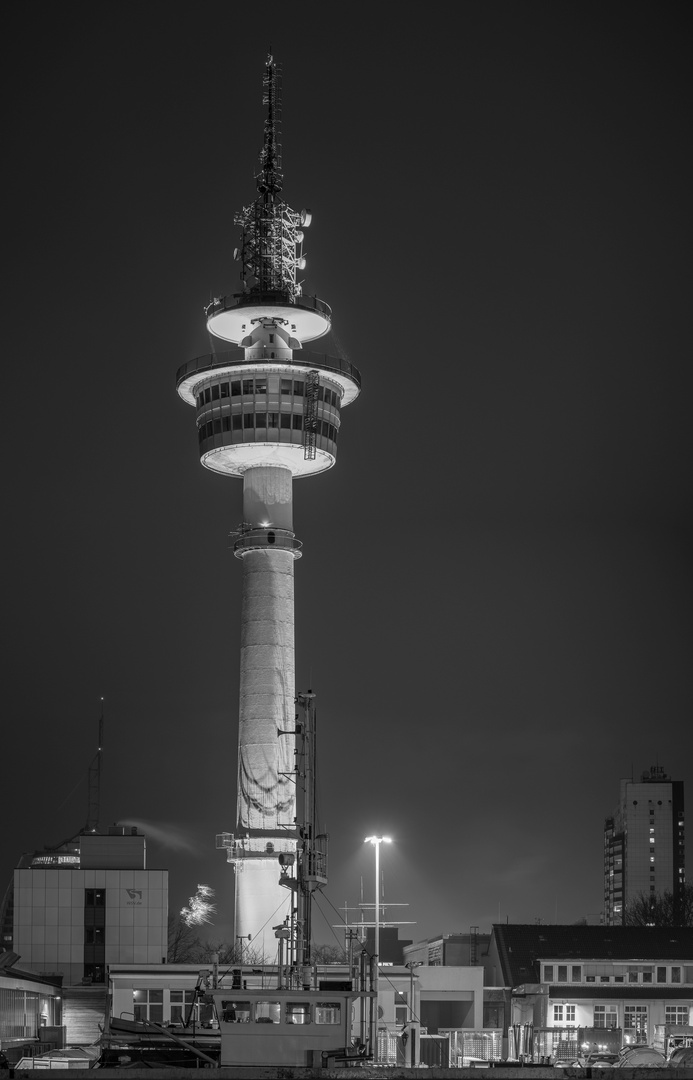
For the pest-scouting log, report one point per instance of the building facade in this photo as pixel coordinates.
(75, 911)
(644, 853)
(573, 988)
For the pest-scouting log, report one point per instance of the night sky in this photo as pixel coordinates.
(495, 601)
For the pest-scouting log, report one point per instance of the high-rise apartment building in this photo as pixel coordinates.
(644, 843)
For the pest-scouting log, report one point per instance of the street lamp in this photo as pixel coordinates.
(413, 1054)
(376, 841)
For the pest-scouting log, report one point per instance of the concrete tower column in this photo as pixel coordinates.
(266, 794)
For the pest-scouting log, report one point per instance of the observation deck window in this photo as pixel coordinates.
(299, 388)
(261, 419)
(261, 386)
(297, 422)
(286, 420)
(215, 392)
(237, 421)
(224, 389)
(248, 420)
(235, 388)
(208, 395)
(286, 386)
(273, 419)
(248, 386)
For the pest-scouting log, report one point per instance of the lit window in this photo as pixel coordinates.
(267, 1012)
(676, 974)
(548, 972)
(558, 1014)
(327, 1012)
(297, 1012)
(233, 1012)
(148, 1005)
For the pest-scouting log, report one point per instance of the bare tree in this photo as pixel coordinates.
(328, 954)
(661, 909)
(183, 943)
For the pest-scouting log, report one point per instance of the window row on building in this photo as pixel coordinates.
(631, 973)
(270, 1012)
(607, 1016)
(149, 1005)
(266, 421)
(261, 385)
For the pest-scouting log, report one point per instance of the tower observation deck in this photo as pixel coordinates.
(267, 410)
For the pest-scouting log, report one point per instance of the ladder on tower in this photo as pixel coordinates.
(310, 415)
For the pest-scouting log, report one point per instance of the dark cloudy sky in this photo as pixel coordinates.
(494, 604)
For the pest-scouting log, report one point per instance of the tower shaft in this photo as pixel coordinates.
(266, 805)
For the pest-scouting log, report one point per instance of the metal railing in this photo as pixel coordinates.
(240, 300)
(237, 358)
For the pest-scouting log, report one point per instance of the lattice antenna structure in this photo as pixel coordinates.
(270, 178)
(271, 250)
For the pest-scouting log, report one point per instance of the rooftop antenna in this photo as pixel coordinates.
(92, 825)
(271, 248)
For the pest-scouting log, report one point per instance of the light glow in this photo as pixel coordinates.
(200, 907)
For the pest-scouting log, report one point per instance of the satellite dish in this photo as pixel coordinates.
(306, 218)
(299, 236)
(301, 263)
(236, 253)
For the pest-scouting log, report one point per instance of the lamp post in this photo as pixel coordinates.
(376, 841)
(413, 1051)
